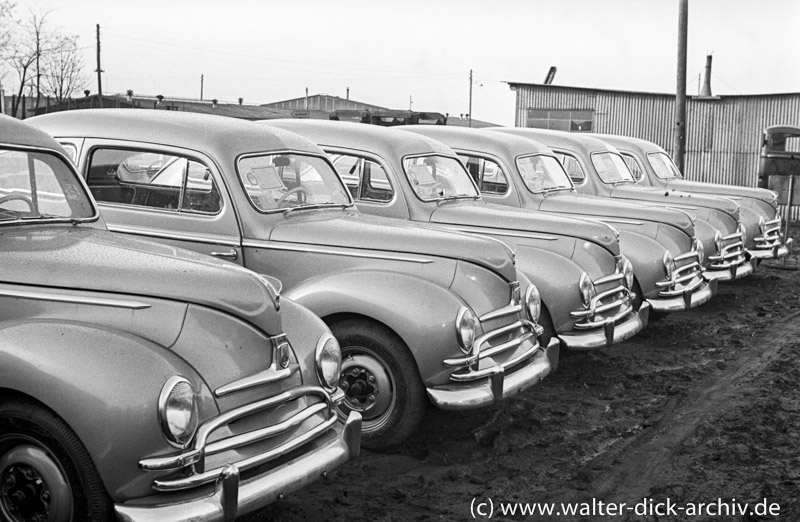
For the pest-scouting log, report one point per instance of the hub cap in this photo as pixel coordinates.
(33, 487)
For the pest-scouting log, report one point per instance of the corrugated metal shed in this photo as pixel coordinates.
(321, 102)
(723, 133)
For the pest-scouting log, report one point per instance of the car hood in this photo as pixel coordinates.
(583, 204)
(721, 190)
(86, 259)
(360, 231)
(675, 197)
(479, 214)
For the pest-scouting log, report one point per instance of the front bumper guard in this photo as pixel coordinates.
(610, 333)
(232, 496)
(731, 273)
(691, 298)
(498, 385)
(775, 252)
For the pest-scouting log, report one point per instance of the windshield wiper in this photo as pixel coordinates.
(317, 206)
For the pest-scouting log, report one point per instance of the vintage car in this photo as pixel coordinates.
(597, 168)
(651, 166)
(517, 172)
(422, 315)
(141, 379)
(585, 283)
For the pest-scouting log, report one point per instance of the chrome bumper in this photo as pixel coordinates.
(732, 273)
(690, 299)
(232, 497)
(497, 386)
(610, 334)
(776, 252)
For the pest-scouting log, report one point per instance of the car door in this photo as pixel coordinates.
(162, 193)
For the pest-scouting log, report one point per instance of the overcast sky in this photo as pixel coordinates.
(419, 53)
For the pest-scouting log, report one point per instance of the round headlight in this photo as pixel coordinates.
(587, 289)
(329, 361)
(466, 328)
(719, 242)
(533, 302)
(625, 267)
(698, 247)
(177, 411)
(669, 264)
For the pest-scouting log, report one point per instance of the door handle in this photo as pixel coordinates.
(233, 254)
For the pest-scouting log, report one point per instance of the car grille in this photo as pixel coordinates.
(310, 402)
(499, 343)
(688, 275)
(611, 301)
(731, 255)
(771, 235)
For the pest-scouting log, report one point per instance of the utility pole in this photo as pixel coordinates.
(99, 71)
(469, 116)
(680, 92)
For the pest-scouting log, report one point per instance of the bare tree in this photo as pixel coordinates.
(63, 70)
(29, 41)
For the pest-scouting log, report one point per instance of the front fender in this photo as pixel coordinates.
(105, 385)
(646, 254)
(420, 312)
(557, 279)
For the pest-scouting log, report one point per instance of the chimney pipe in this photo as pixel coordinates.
(214, 103)
(348, 93)
(706, 90)
(241, 100)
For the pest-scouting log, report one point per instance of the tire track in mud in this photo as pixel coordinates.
(635, 466)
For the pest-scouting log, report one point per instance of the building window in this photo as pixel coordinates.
(560, 119)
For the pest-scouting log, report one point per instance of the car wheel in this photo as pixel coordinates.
(381, 381)
(45, 472)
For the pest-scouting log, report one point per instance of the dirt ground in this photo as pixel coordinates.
(700, 407)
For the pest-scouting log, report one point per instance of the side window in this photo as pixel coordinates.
(149, 179)
(632, 164)
(348, 169)
(572, 166)
(488, 175)
(365, 179)
(375, 184)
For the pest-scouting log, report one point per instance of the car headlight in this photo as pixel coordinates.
(587, 288)
(698, 247)
(669, 264)
(625, 267)
(533, 303)
(466, 328)
(177, 411)
(329, 361)
(719, 242)
(743, 232)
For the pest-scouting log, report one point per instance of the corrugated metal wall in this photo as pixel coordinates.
(723, 140)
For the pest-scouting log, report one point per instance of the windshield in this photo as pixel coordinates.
(439, 177)
(663, 166)
(40, 186)
(289, 180)
(611, 168)
(542, 173)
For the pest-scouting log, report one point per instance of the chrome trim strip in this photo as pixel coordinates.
(148, 232)
(268, 245)
(274, 373)
(501, 312)
(497, 232)
(57, 298)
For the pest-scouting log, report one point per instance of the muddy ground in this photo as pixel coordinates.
(701, 407)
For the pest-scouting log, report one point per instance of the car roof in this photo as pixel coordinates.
(629, 143)
(464, 138)
(384, 141)
(220, 135)
(574, 141)
(15, 132)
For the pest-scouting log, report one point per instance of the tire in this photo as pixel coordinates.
(546, 322)
(381, 381)
(39, 453)
(637, 289)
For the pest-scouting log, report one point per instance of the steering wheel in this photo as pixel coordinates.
(17, 197)
(290, 192)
